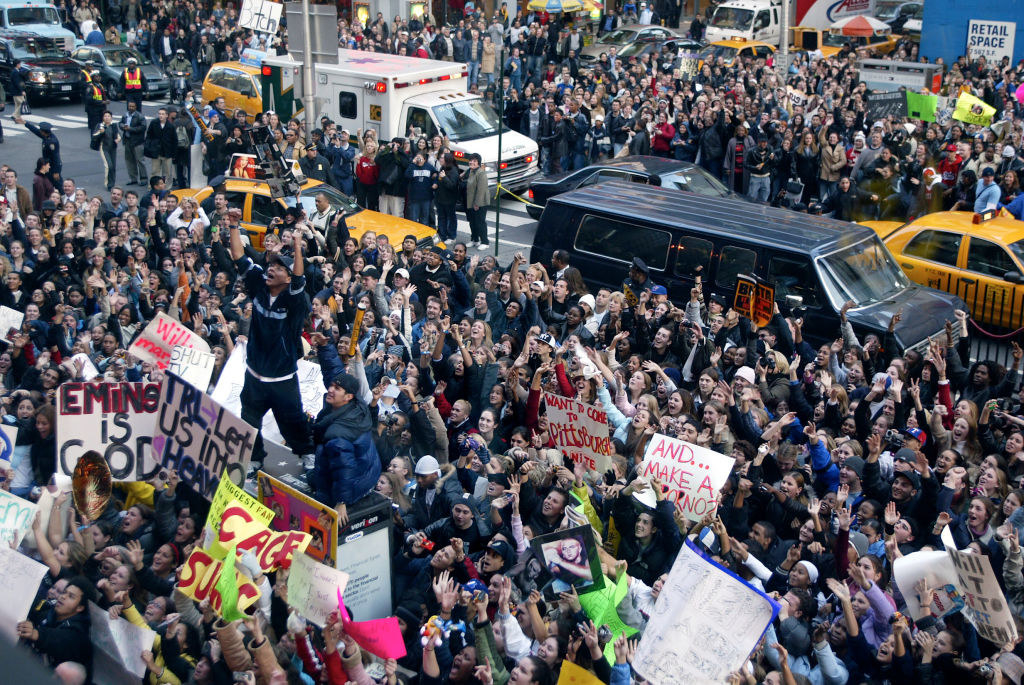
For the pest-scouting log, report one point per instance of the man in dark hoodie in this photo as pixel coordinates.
(63, 635)
(346, 466)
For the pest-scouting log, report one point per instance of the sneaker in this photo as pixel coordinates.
(483, 246)
(308, 461)
(474, 243)
(435, 239)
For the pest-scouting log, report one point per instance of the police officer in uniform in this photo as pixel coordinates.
(133, 83)
(51, 148)
(95, 100)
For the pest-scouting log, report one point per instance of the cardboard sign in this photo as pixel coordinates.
(985, 605)
(115, 419)
(973, 110)
(921, 106)
(754, 299)
(313, 589)
(200, 438)
(580, 431)
(158, 339)
(239, 528)
(199, 578)
(262, 16)
(881, 105)
(16, 516)
(120, 639)
(992, 40)
(704, 625)
(192, 365)
(692, 474)
(19, 577)
(689, 64)
(228, 391)
(380, 636)
(939, 572)
(89, 370)
(294, 510)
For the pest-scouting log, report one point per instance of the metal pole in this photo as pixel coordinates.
(307, 73)
(501, 127)
(784, 43)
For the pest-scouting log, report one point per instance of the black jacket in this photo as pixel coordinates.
(160, 142)
(66, 640)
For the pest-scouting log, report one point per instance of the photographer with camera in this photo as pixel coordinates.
(342, 156)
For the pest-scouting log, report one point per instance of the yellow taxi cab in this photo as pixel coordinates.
(808, 39)
(253, 197)
(734, 50)
(238, 84)
(978, 257)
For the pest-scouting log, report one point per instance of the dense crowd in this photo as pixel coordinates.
(848, 454)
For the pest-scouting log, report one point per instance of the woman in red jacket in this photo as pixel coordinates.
(367, 173)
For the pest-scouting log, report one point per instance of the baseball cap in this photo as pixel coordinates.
(427, 465)
(277, 257)
(658, 290)
(346, 382)
(370, 271)
(988, 171)
(916, 434)
(912, 476)
(548, 340)
(404, 273)
(502, 549)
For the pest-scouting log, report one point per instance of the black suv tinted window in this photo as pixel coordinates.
(734, 261)
(621, 241)
(692, 253)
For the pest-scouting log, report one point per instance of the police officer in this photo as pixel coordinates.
(133, 83)
(95, 100)
(51, 148)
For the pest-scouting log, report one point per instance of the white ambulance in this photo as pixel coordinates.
(394, 95)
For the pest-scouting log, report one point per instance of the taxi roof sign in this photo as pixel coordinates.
(253, 58)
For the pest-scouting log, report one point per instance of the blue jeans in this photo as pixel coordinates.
(447, 224)
(474, 73)
(533, 64)
(760, 188)
(419, 212)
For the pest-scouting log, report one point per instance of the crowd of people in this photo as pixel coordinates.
(848, 453)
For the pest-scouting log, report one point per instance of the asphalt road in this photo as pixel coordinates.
(21, 148)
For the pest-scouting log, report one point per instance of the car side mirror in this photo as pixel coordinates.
(1013, 277)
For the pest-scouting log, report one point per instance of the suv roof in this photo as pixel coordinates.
(746, 221)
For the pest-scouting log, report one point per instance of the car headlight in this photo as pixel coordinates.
(37, 76)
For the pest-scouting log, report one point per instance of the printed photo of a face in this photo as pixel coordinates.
(567, 561)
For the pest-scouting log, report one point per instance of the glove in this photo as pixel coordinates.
(247, 564)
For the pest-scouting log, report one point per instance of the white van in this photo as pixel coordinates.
(393, 94)
(38, 17)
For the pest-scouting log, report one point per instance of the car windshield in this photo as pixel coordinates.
(634, 49)
(19, 16)
(337, 199)
(712, 52)
(119, 58)
(864, 272)
(695, 182)
(837, 40)
(467, 120)
(732, 18)
(27, 49)
(620, 37)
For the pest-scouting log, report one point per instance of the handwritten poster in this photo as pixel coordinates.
(19, 577)
(985, 605)
(313, 589)
(260, 15)
(115, 419)
(228, 493)
(580, 431)
(159, 338)
(693, 475)
(200, 438)
(16, 516)
(199, 578)
(704, 625)
(938, 570)
(192, 365)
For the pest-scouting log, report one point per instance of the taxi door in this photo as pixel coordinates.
(931, 258)
(992, 298)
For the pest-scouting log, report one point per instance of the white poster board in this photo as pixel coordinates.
(200, 438)
(16, 516)
(985, 605)
(693, 474)
(19, 577)
(262, 16)
(313, 588)
(992, 40)
(937, 569)
(115, 419)
(228, 391)
(580, 431)
(192, 365)
(160, 336)
(10, 319)
(704, 625)
(120, 639)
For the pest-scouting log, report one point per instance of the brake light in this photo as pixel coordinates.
(446, 77)
(381, 87)
(425, 80)
(529, 193)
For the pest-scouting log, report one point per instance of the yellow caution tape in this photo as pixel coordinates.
(500, 188)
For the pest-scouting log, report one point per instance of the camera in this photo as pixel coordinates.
(894, 438)
(769, 361)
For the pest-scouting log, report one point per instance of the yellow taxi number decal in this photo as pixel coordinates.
(375, 112)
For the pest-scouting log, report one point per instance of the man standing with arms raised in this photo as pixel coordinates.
(279, 309)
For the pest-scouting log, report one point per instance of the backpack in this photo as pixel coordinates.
(184, 140)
